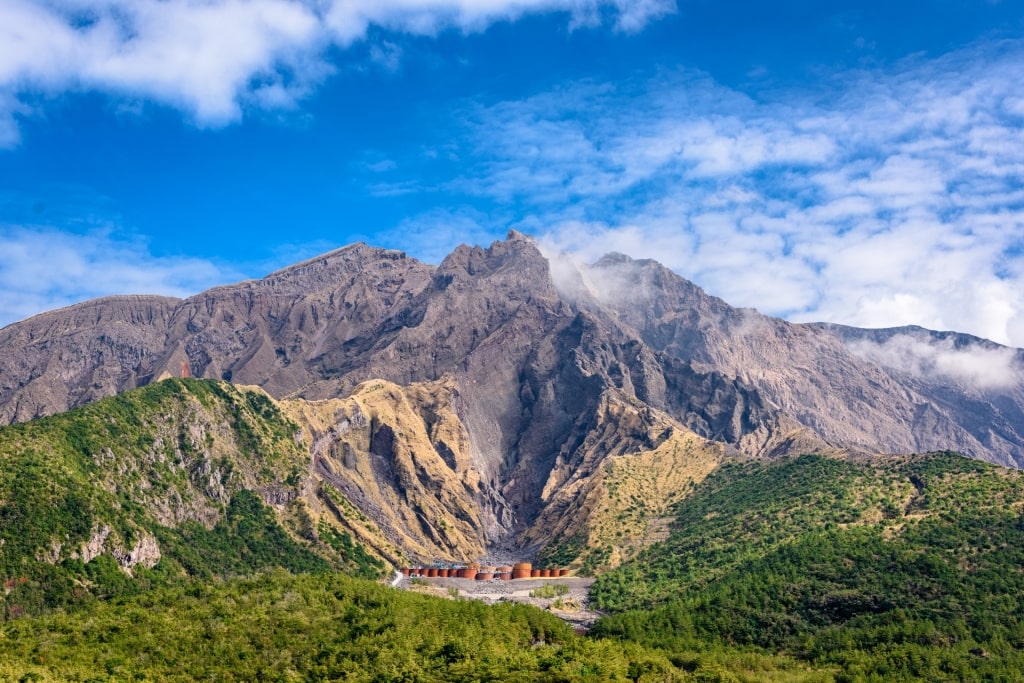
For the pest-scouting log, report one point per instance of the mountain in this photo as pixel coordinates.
(502, 398)
(899, 390)
(613, 418)
(505, 318)
(978, 381)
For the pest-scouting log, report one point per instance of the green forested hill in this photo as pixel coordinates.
(901, 568)
(165, 482)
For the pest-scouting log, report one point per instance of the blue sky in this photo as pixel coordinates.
(857, 162)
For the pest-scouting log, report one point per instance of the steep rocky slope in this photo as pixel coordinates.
(401, 456)
(177, 474)
(978, 382)
(69, 357)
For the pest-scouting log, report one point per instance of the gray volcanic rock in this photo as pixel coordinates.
(977, 382)
(71, 356)
(531, 360)
(271, 332)
(824, 377)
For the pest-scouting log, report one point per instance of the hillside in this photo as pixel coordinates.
(808, 569)
(383, 476)
(217, 513)
(181, 479)
(901, 568)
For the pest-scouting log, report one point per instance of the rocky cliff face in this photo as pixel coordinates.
(69, 357)
(476, 403)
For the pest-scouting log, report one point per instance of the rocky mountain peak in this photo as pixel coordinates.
(514, 266)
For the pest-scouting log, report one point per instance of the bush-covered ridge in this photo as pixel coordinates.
(898, 568)
(163, 482)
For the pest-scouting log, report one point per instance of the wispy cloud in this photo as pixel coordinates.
(212, 58)
(881, 198)
(43, 268)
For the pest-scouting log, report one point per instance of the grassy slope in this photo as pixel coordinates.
(904, 568)
(172, 465)
(644, 462)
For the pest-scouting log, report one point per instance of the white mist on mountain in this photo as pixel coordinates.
(618, 280)
(981, 367)
(568, 275)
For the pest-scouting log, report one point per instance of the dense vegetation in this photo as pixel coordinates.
(170, 469)
(280, 627)
(898, 569)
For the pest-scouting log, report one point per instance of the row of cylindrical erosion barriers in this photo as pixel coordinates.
(520, 570)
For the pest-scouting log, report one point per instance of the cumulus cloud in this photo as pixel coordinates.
(211, 58)
(204, 57)
(976, 366)
(44, 268)
(895, 196)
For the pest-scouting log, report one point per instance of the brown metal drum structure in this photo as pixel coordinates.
(534, 573)
(484, 576)
(545, 573)
(505, 576)
(563, 572)
(443, 573)
(522, 566)
(432, 572)
(406, 571)
(520, 573)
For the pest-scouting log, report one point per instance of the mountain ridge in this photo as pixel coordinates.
(523, 336)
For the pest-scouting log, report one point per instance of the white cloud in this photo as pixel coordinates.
(203, 57)
(894, 197)
(43, 268)
(211, 58)
(980, 367)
